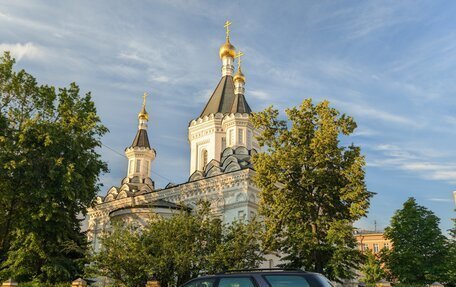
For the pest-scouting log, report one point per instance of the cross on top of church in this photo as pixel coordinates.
(238, 56)
(227, 26)
(144, 98)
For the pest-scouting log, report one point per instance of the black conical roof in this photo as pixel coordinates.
(223, 99)
(141, 139)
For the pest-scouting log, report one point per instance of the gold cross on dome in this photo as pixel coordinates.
(238, 56)
(227, 26)
(144, 98)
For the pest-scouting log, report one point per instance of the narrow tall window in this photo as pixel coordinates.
(223, 143)
(203, 158)
(138, 165)
(130, 166)
(249, 136)
(148, 167)
(231, 134)
(240, 136)
(386, 246)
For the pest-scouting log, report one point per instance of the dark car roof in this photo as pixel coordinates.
(237, 273)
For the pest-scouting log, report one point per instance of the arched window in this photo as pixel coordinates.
(203, 158)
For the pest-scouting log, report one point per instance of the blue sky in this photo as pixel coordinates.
(389, 64)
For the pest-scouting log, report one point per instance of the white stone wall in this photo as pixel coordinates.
(231, 196)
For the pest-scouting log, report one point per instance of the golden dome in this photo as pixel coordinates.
(143, 115)
(239, 76)
(227, 49)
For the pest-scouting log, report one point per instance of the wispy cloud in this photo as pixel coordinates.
(260, 95)
(370, 17)
(424, 163)
(27, 50)
(439, 199)
(366, 111)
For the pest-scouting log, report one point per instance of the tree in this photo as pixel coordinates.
(450, 262)
(123, 258)
(177, 249)
(419, 248)
(372, 270)
(49, 170)
(239, 248)
(312, 187)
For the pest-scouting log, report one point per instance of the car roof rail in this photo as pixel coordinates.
(261, 270)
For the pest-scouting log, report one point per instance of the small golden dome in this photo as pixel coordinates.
(143, 115)
(227, 49)
(239, 76)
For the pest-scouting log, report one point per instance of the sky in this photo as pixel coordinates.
(389, 64)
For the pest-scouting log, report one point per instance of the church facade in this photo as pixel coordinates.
(222, 141)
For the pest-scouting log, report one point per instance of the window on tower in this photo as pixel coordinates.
(223, 143)
(130, 166)
(138, 165)
(203, 158)
(240, 136)
(148, 167)
(231, 134)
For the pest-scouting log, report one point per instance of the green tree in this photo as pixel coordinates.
(123, 258)
(238, 248)
(49, 170)
(312, 187)
(372, 270)
(177, 249)
(450, 261)
(419, 249)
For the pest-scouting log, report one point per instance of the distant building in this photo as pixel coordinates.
(372, 240)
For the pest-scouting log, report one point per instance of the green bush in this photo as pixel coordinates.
(408, 285)
(39, 284)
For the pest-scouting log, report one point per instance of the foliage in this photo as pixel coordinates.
(419, 248)
(409, 285)
(177, 249)
(40, 284)
(372, 270)
(122, 258)
(239, 248)
(450, 262)
(312, 187)
(48, 175)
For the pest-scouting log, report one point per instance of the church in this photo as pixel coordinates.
(222, 141)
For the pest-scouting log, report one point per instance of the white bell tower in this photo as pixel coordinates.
(140, 155)
(225, 120)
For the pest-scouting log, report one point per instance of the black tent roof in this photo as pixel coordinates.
(141, 139)
(223, 99)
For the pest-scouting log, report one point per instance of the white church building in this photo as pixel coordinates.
(222, 141)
